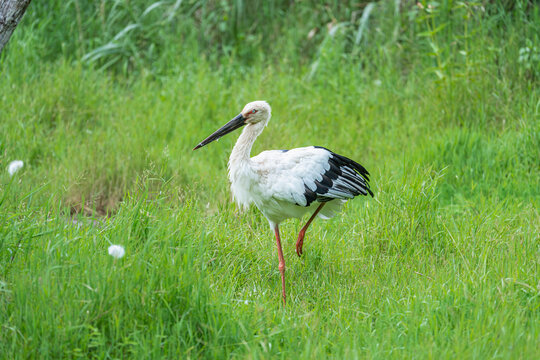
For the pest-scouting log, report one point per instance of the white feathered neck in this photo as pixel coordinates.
(239, 161)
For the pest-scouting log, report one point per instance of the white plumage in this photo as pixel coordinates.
(288, 183)
(278, 185)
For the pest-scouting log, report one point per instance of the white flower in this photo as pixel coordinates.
(116, 251)
(15, 166)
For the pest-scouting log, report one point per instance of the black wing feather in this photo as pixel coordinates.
(344, 179)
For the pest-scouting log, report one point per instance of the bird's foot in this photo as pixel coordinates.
(300, 243)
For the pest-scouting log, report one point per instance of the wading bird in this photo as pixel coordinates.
(288, 183)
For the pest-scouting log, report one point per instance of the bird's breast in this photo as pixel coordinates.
(245, 183)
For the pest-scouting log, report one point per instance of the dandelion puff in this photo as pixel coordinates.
(15, 166)
(117, 251)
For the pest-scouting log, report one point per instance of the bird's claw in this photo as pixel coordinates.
(299, 245)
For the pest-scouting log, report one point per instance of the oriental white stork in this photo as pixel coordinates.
(288, 183)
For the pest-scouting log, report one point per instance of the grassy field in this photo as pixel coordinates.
(103, 101)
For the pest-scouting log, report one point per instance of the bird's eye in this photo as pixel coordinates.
(254, 111)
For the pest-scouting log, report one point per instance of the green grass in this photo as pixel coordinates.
(442, 263)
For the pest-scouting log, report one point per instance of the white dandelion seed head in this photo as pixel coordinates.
(15, 166)
(117, 251)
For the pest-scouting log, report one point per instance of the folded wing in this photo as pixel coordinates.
(304, 175)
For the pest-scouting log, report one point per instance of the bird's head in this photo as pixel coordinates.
(255, 113)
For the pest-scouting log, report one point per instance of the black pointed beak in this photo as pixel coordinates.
(232, 125)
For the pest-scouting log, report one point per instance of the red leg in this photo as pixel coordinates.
(281, 263)
(302, 233)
